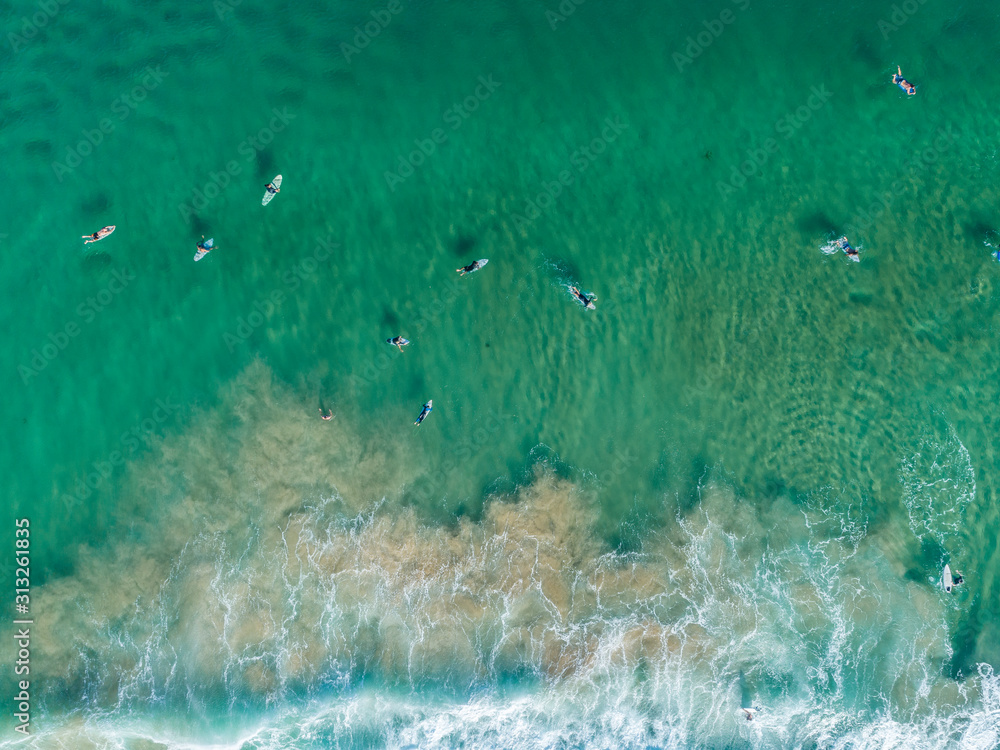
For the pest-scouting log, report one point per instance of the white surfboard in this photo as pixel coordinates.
(469, 269)
(203, 249)
(947, 583)
(100, 234)
(268, 195)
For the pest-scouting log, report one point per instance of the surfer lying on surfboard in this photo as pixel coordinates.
(424, 412)
(398, 341)
(844, 245)
(100, 234)
(473, 266)
(582, 298)
(271, 188)
(898, 79)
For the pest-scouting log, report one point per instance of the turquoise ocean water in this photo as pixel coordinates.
(734, 483)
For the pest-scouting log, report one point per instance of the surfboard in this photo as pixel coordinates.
(203, 249)
(101, 234)
(428, 407)
(268, 195)
(946, 580)
(479, 264)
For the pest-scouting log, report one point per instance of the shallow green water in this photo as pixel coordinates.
(783, 446)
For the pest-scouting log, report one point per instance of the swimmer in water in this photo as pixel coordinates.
(424, 412)
(844, 245)
(583, 299)
(398, 341)
(473, 266)
(956, 580)
(749, 714)
(325, 413)
(898, 79)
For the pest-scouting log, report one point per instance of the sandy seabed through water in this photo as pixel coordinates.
(272, 565)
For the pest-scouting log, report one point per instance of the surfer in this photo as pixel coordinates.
(473, 266)
(100, 234)
(204, 247)
(398, 341)
(749, 714)
(898, 79)
(583, 299)
(844, 245)
(271, 188)
(956, 580)
(425, 411)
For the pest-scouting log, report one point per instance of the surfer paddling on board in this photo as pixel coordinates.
(398, 341)
(100, 234)
(898, 79)
(582, 298)
(472, 267)
(271, 188)
(424, 412)
(844, 245)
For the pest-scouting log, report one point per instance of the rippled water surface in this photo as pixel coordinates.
(733, 484)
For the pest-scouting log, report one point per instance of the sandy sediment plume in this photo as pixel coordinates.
(273, 557)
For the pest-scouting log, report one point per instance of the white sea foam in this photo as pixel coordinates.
(939, 482)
